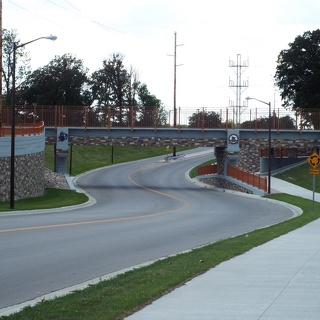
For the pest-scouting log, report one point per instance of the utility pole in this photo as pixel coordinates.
(0, 63)
(175, 88)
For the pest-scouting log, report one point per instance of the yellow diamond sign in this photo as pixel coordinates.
(314, 160)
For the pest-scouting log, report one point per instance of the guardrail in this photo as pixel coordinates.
(22, 129)
(150, 116)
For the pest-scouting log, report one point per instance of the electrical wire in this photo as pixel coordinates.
(38, 15)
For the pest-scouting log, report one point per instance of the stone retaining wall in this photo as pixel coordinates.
(29, 176)
(225, 184)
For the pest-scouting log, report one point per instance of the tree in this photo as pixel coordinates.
(62, 82)
(112, 86)
(116, 86)
(151, 108)
(205, 119)
(285, 122)
(23, 68)
(298, 72)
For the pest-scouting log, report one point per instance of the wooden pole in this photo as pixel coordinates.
(0, 63)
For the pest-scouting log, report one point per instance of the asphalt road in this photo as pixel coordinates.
(144, 210)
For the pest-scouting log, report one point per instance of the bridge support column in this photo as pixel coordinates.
(221, 156)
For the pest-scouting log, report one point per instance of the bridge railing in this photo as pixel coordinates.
(22, 129)
(146, 117)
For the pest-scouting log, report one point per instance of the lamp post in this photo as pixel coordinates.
(13, 103)
(269, 154)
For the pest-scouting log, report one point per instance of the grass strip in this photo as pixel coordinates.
(118, 297)
(85, 158)
(47, 201)
(300, 176)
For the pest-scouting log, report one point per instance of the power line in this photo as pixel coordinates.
(23, 8)
(86, 17)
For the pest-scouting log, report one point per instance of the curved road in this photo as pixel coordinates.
(144, 210)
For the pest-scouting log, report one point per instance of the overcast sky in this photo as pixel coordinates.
(209, 35)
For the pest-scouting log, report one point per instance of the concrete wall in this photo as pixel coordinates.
(29, 167)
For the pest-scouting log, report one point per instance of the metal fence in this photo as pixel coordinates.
(134, 117)
(25, 129)
(248, 177)
(239, 174)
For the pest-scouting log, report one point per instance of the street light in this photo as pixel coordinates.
(269, 155)
(13, 103)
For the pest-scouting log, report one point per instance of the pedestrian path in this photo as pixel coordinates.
(279, 280)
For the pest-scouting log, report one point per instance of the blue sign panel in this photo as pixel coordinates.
(62, 138)
(233, 141)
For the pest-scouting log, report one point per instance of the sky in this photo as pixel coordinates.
(210, 36)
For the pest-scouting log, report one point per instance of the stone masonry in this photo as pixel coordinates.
(29, 173)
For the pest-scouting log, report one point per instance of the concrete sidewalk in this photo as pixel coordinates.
(278, 280)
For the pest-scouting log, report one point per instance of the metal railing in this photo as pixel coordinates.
(22, 129)
(207, 169)
(139, 117)
(239, 174)
(248, 177)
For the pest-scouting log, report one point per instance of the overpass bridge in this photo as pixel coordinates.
(288, 134)
(247, 146)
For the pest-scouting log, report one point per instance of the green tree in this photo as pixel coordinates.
(298, 72)
(23, 67)
(152, 111)
(115, 86)
(63, 81)
(285, 122)
(205, 119)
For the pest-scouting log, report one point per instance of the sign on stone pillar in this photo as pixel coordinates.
(62, 148)
(233, 143)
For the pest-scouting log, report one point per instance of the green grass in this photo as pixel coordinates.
(85, 158)
(300, 176)
(126, 293)
(48, 201)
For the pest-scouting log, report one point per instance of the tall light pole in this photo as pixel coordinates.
(13, 121)
(269, 154)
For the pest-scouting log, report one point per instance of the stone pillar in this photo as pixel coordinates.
(221, 155)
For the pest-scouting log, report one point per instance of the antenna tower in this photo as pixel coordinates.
(238, 87)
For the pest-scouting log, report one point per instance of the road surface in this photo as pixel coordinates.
(144, 210)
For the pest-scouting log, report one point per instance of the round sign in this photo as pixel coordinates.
(233, 138)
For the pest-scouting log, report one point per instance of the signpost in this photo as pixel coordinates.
(168, 150)
(314, 161)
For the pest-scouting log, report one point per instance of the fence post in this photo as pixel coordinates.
(55, 116)
(202, 120)
(109, 116)
(131, 118)
(155, 118)
(85, 118)
(227, 120)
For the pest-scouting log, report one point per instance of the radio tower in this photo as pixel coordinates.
(238, 87)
